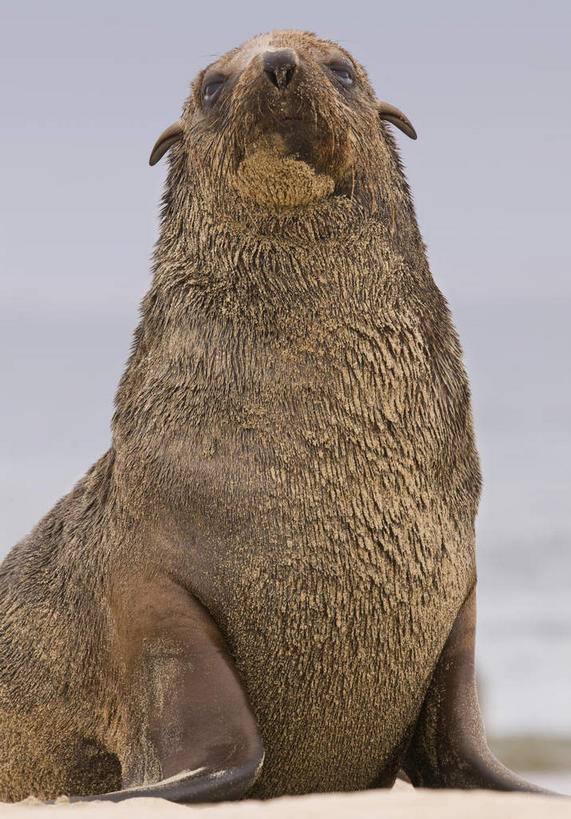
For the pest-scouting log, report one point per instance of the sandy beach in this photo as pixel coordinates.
(402, 802)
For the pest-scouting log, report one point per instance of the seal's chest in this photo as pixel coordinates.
(351, 568)
(335, 671)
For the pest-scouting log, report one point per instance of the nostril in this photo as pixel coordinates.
(279, 67)
(280, 77)
(272, 76)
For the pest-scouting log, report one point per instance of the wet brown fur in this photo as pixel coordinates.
(292, 443)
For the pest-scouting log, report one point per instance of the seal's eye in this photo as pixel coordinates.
(343, 73)
(212, 89)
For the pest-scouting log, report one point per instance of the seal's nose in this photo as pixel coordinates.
(279, 66)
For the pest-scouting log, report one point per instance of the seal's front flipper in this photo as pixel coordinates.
(186, 730)
(448, 748)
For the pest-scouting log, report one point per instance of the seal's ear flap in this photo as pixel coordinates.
(396, 117)
(168, 138)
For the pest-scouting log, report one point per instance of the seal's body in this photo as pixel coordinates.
(278, 549)
(315, 550)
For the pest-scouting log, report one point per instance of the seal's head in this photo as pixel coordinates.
(284, 121)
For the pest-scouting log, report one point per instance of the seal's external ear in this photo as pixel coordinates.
(396, 117)
(168, 138)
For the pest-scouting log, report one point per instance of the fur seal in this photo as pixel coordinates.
(276, 555)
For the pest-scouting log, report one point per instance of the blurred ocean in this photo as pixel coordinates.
(60, 375)
(517, 357)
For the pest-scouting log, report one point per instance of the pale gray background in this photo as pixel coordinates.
(85, 90)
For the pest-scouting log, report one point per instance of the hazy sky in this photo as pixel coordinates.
(85, 89)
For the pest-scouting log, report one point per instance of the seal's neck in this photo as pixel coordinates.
(235, 256)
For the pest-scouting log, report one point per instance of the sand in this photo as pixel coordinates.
(400, 803)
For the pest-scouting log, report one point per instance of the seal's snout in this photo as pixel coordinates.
(280, 66)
